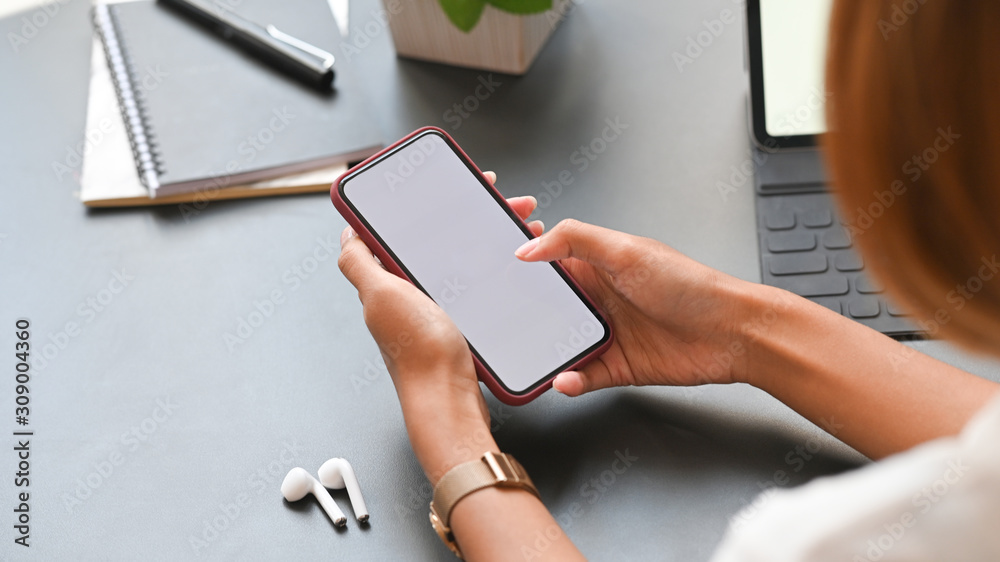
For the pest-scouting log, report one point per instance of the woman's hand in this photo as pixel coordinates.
(446, 416)
(676, 321)
(426, 355)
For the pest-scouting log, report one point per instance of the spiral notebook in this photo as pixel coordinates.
(203, 115)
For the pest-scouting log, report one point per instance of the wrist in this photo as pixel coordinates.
(448, 443)
(446, 430)
(775, 319)
(745, 311)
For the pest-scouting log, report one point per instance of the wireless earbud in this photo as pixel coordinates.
(338, 474)
(298, 484)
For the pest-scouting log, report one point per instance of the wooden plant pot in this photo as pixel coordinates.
(500, 42)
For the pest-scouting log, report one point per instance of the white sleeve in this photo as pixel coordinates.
(938, 501)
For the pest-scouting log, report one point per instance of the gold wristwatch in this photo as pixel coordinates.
(493, 469)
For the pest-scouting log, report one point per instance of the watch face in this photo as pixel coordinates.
(445, 533)
(438, 525)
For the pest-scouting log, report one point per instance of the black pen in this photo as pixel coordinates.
(294, 56)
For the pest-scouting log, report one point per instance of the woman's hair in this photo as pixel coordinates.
(914, 154)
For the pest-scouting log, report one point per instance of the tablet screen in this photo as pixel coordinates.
(793, 45)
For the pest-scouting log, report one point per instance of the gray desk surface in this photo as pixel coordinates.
(208, 469)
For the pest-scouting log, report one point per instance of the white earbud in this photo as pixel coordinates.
(298, 484)
(338, 474)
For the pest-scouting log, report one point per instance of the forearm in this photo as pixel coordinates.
(869, 390)
(492, 523)
(509, 524)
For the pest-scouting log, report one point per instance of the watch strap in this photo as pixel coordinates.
(493, 469)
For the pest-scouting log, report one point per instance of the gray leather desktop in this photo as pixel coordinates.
(159, 437)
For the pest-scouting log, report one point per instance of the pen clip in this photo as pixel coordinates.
(301, 45)
(326, 57)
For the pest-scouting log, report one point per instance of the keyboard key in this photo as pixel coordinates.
(863, 307)
(816, 219)
(791, 241)
(831, 303)
(865, 285)
(781, 219)
(895, 310)
(836, 238)
(814, 285)
(792, 264)
(848, 261)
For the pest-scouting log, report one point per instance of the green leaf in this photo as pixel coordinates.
(522, 6)
(463, 13)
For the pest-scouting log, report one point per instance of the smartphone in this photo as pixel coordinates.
(431, 217)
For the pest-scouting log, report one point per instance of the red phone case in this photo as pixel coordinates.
(498, 390)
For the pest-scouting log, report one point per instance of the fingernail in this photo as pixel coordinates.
(539, 223)
(346, 235)
(526, 248)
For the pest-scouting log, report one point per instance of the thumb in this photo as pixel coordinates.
(594, 376)
(603, 248)
(358, 264)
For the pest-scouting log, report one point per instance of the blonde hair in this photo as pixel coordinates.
(914, 154)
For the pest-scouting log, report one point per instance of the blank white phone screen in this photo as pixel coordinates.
(458, 243)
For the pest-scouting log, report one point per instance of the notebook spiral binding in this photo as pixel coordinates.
(131, 100)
